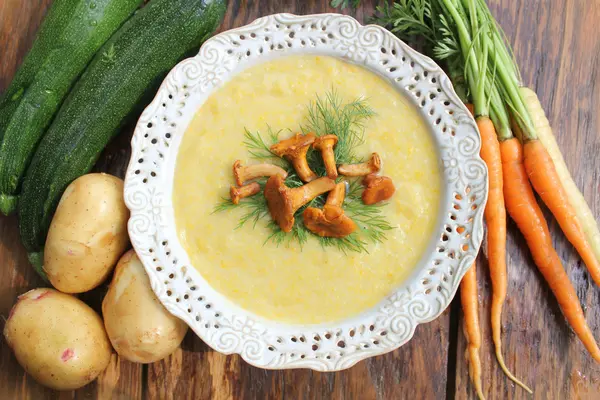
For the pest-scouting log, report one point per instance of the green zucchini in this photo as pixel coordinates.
(52, 26)
(72, 34)
(131, 64)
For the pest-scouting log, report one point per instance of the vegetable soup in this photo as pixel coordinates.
(303, 281)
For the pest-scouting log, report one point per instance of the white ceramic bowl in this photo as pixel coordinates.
(225, 326)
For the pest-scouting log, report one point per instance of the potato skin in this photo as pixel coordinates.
(57, 339)
(139, 327)
(88, 233)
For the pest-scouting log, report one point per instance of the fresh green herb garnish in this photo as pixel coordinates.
(257, 147)
(326, 115)
(255, 209)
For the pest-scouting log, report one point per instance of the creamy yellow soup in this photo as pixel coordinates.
(311, 284)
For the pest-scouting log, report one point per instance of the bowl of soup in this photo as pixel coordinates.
(290, 298)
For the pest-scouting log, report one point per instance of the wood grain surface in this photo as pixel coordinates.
(557, 44)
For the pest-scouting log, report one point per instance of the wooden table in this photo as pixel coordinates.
(557, 45)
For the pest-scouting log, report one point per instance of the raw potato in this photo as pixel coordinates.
(58, 339)
(88, 233)
(139, 327)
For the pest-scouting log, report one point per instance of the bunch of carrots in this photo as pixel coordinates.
(517, 160)
(521, 155)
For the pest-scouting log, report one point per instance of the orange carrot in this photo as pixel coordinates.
(524, 210)
(546, 182)
(470, 306)
(495, 218)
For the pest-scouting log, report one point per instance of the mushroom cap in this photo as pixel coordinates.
(279, 202)
(375, 161)
(238, 193)
(328, 222)
(293, 146)
(325, 141)
(378, 188)
(237, 165)
(234, 193)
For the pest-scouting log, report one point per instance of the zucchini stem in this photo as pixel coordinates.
(37, 261)
(8, 203)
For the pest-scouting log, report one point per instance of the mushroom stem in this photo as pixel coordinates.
(325, 145)
(247, 173)
(294, 150)
(302, 169)
(238, 193)
(305, 193)
(362, 169)
(336, 196)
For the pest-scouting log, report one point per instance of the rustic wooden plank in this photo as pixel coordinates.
(193, 371)
(558, 55)
(19, 21)
(122, 380)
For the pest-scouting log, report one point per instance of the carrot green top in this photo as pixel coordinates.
(464, 35)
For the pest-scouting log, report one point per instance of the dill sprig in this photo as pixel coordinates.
(278, 237)
(326, 115)
(255, 208)
(354, 189)
(257, 147)
(373, 225)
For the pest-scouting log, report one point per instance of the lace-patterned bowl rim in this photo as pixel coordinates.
(225, 326)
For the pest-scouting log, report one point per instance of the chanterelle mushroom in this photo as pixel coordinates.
(295, 149)
(325, 145)
(283, 201)
(247, 173)
(331, 220)
(336, 196)
(377, 188)
(362, 169)
(238, 193)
